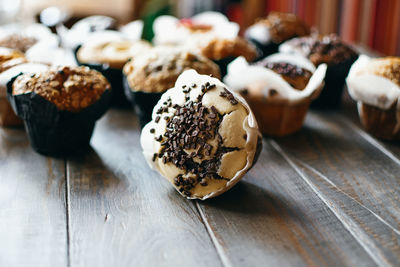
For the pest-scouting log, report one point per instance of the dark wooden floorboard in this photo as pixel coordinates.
(32, 207)
(124, 214)
(274, 218)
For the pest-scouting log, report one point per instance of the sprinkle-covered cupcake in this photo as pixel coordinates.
(279, 90)
(7, 115)
(375, 85)
(149, 75)
(60, 107)
(108, 53)
(202, 138)
(208, 33)
(268, 33)
(331, 50)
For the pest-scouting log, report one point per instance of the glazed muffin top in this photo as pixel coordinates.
(158, 69)
(203, 137)
(219, 48)
(114, 53)
(10, 58)
(375, 81)
(69, 88)
(297, 76)
(277, 27)
(280, 78)
(329, 49)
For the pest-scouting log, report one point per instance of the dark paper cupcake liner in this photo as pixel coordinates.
(331, 94)
(143, 103)
(223, 64)
(54, 132)
(114, 77)
(264, 50)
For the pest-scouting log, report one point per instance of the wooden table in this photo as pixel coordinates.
(328, 195)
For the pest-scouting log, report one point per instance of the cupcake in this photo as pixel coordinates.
(375, 85)
(60, 107)
(208, 33)
(279, 90)
(108, 53)
(331, 50)
(149, 75)
(7, 115)
(268, 33)
(202, 138)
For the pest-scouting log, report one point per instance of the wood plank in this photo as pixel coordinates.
(32, 207)
(350, 162)
(274, 218)
(124, 214)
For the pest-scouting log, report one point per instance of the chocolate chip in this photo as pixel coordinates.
(157, 119)
(152, 130)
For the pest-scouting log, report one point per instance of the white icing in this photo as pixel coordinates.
(241, 74)
(167, 29)
(7, 75)
(54, 56)
(133, 30)
(259, 32)
(371, 89)
(150, 146)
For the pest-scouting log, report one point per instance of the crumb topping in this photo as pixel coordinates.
(216, 49)
(71, 89)
(19, 42)
(388, 67)
(157, 70)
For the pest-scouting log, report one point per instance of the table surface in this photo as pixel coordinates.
(328, 195)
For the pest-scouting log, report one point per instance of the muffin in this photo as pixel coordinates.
(108, 53)
(208, 33)
(60, 107)
(202, 137)
(331, 50)
(279, 90)
(7, 115)
(268, 33)
(375, 85)
(223, 50)
(149, 75)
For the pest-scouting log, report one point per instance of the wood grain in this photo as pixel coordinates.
(32, 208)
(124, 214)
(274, 218)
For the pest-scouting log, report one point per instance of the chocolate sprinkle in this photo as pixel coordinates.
(186, 144)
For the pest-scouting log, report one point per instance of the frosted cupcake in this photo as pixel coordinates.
(202, 138)
(329, 50)
(279, 90)
(208, 33)
(375, 85)
(268, 33)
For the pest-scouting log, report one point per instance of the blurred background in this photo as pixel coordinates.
(371, 23)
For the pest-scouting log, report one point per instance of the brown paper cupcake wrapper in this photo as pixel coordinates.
(56, 132)
(379, 122)
(279, 118)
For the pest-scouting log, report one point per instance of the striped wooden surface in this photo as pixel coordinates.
(328, 195)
